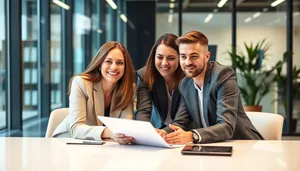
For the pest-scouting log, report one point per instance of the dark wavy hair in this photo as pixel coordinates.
(150, 69)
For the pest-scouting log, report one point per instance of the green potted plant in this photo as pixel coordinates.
(254, 82)
(282, 87)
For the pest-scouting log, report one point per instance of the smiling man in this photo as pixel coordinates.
(211, 95)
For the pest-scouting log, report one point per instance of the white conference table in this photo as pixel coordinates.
(20, 154)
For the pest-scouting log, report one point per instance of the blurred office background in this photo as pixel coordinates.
(44, 42)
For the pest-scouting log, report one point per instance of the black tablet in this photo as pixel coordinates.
(207, 150)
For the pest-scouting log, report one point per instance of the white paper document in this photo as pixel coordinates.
(143, 132)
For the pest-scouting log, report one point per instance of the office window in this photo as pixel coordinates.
(3, 114)
(98, 25)
(111, 22)
(30, 56)
(296, 62)
(55, 54)
(96, 31)
(81, 35)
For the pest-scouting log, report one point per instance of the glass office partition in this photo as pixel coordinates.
(3, 115)
(111, 24)
(55, 54)
(166, 17)
(81, 29)
(213, 19)
(30, 56)
(204, 16)
(96, 30)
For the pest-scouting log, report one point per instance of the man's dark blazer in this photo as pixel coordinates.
(222, 106)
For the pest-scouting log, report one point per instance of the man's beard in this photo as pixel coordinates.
(195, 73)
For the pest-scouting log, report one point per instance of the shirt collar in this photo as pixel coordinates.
(198, 88)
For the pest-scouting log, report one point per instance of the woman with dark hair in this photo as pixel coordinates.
(157, 86)
(105, 88)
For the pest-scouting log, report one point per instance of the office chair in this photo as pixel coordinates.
(269, 125)
(56, 117)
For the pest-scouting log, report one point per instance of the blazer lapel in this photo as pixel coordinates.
(160, 97)
(117, 112)
(206, 91)
(194, 102)
(98, 100)
(175, 103)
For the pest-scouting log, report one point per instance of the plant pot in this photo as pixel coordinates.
(253, 108)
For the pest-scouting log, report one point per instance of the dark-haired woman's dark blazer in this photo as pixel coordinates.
(153, 105)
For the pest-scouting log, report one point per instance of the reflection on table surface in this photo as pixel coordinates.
(53, 154)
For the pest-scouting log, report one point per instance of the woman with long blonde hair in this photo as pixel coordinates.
(105, 88)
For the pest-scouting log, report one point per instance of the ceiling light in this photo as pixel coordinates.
(172, 5)
(208, 18)
(124, 18)
(221, 3)
(275, 3)
(248, 19)
(172, 0)
(256, 15)
(61, 4)
(112, 4)
(99, 31)
(170, 19)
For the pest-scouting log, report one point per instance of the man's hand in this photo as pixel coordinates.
(123, 139)
(161, 132)
(179, 136)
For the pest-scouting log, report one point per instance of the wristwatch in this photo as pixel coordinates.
(195, 137)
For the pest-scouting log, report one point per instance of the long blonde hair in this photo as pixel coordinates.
(124, 87)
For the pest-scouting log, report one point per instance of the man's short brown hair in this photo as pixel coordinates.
(192, 37)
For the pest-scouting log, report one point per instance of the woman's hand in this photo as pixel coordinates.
(123, 139)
